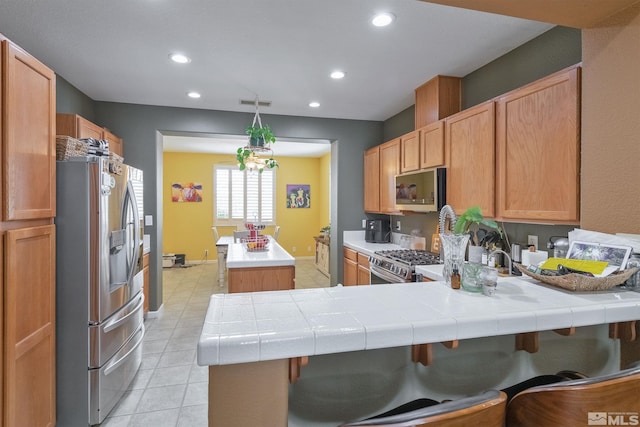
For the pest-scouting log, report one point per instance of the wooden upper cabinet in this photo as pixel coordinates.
(432, 145)
(436, 99)
(28, 136)
(410, 152)
(538, 150)
(372, 180)
(76, 126)
(470, 159)
(389, 168)
(115, 142)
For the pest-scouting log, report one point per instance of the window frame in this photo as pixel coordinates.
(240, 222)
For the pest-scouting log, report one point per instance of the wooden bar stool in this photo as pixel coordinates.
(486, 409)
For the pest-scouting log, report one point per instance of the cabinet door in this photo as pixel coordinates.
(436, 99)
(372, 180)
(470, 154)
(432, 145)
(87, 129)
(364, 275)
(115, 142)
(29, 327)
(350, 267)
(28, 136)
(410, 152)
(389, 168)
(538, 150)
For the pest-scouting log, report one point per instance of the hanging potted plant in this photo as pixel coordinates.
(248, 159)
(260, 136)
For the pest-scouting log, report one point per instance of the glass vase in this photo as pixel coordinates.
(454, 247)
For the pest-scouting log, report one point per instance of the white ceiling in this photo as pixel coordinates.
(278, 50)
(229, 144)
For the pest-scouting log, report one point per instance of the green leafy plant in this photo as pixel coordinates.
(248, 159)
(471, 220)
(257, 134)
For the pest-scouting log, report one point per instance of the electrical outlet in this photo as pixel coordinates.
(308, 248)
(293, 249)
(364, 223)
(532, 240)
(398, 226)
(206, 252)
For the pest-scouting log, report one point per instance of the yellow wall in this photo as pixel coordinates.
(187, 226)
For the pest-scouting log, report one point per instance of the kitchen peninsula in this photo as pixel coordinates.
(248, 338)
(269, 270)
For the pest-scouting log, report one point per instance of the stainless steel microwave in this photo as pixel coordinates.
(421, 191)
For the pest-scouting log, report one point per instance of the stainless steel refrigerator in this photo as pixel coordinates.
(99, 279)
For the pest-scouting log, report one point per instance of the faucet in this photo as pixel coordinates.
(447, 210)
(505, 254)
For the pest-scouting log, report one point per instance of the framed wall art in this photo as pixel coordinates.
(298, 196)
(186, 192)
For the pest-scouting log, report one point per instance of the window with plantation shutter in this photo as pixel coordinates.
(241, 196)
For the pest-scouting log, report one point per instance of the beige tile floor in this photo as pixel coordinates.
(170, 389)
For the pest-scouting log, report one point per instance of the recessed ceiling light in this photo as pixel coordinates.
(194, 95)
(337, 74)
(314, 104)
(383, 19)
(179, 58)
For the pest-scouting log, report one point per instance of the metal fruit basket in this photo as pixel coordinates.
(256, 244)
(251, 226)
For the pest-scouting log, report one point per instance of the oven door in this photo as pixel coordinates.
(380, 276)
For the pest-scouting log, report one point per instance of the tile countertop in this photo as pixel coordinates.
(355, 240)
(276, 256)
(259, 326)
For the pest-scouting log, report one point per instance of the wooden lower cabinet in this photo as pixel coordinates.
(356, 268)
(350, 272)
(145, 286)
(364, 275)
(29, 327)
(261, 279)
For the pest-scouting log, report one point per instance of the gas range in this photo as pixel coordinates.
(399, 265)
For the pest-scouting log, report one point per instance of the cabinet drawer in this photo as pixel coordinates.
(350, 254)
(363, 260)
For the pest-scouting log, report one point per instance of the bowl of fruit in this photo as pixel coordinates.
(251, 226)
(256, 244)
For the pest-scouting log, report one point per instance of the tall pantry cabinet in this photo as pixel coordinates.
(27, 249)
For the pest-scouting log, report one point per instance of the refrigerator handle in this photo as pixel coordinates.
(130, 198)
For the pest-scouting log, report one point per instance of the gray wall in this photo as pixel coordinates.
(70, 100)
(558, 48)
(552, 51)
(140, 127)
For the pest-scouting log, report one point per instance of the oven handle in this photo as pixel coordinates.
(385, 276)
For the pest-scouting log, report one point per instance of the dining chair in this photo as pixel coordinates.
(577, 402)
(486, 409)
(276, 233)
(239, 235)
(216, 236)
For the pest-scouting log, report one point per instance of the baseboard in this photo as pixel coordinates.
(155, 314)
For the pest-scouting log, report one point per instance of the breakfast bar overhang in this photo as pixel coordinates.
(248, 338)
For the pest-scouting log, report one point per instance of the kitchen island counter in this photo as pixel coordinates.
(275, 256)
(263, 326)
(270, 270)
(254, 341)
